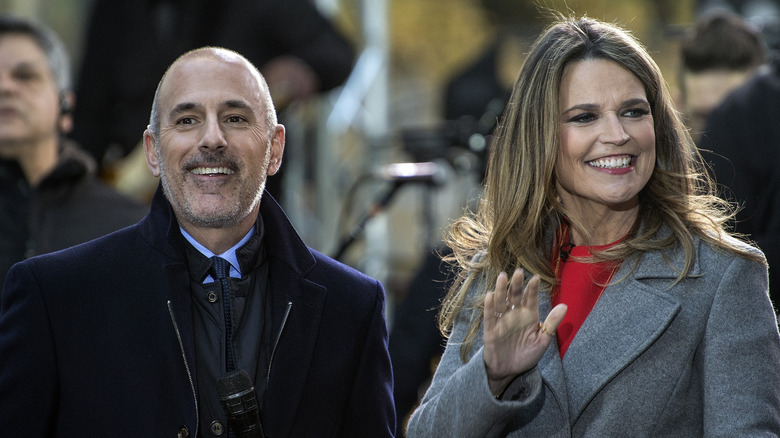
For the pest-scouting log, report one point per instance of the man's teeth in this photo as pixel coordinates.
(211, 170)
(611, 163)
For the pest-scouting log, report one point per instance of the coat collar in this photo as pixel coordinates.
(161, 230)
(297, 302)
(630, 316)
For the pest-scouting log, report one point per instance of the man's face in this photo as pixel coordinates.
(215, 148)
(704, 92)
(29, 100)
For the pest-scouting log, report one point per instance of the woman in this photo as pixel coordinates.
(656, 321)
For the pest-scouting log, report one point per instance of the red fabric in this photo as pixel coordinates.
(580, 286)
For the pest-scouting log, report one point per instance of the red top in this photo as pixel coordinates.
(580, 286)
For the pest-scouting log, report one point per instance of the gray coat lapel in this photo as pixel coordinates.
(627, 319)
(550, 364)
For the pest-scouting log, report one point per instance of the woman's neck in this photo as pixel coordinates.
(603, 229)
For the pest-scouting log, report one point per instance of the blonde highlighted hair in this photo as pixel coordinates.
(519, 211)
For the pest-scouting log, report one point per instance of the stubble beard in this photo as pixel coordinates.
(184, 210)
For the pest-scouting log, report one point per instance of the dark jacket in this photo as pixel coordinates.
(98, 339)
(69, 206)
(742, 141)
(129, 45)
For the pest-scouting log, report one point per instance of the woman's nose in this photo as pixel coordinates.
(614, 131)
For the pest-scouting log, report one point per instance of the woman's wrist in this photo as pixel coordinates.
(497, 387)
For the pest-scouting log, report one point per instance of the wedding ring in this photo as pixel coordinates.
(542, 328)
(498, 314)
(509, 305)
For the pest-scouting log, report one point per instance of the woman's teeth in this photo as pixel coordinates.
(611, 163)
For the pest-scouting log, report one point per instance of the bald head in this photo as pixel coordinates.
(213, 140)
(222, 56)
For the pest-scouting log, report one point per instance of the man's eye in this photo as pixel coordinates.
(25, 75)
(235, 119)
(185, 121)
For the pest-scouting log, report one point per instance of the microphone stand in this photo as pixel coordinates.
(382, 201)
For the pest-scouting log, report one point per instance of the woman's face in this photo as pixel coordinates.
(607, 149)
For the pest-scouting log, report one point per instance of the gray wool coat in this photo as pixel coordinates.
(699, 358)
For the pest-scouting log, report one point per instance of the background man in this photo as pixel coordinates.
(128, 46)
(743, 145)
(50, 197)
(718, 55)
(129, 335)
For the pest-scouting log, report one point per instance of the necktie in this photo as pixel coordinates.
(219, 270)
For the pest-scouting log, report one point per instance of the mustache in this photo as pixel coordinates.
(212, 159)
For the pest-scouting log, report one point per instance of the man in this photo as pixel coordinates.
(128, 46)
(743, 146)
(718, 55)
(50, 196)
(128, 336)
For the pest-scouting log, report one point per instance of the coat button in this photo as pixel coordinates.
(183, 432)
(212, 297)
(216, 428)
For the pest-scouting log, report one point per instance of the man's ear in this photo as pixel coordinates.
(151, 153)
(277, 150)
(67, 104)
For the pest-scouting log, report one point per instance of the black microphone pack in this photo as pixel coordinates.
(566, 251)
(237, 395)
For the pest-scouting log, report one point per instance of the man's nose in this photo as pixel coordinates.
(213, 135)
(7, 82)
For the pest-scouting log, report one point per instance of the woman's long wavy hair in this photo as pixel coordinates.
(519, 210)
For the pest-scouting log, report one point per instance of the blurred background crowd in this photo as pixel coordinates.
(365, 84)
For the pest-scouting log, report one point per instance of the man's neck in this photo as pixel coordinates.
(37, 159)
(219, 240)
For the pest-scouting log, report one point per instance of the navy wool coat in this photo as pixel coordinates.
(97, 340)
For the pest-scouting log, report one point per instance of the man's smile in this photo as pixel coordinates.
(212, 171)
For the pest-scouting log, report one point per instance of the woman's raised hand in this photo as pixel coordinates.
(514, 339)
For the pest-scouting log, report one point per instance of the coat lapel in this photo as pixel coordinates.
(177, 284)
(550, 364)
(628, 318)
(296, 331)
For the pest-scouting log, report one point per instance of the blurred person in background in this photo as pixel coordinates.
(50, 194)
(742, 144)
(473, 99)
(129, 45)
(763, 15)
(598, 292)
(720, 53)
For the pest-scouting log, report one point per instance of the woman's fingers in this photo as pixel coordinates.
(490, 316)
(514, 291)
(514, 340)
(531, 293)
(500, 292)
(550, 325)
(494, 302)
(509, 295)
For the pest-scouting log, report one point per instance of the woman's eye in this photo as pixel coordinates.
(636, 112)
(583, 118)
